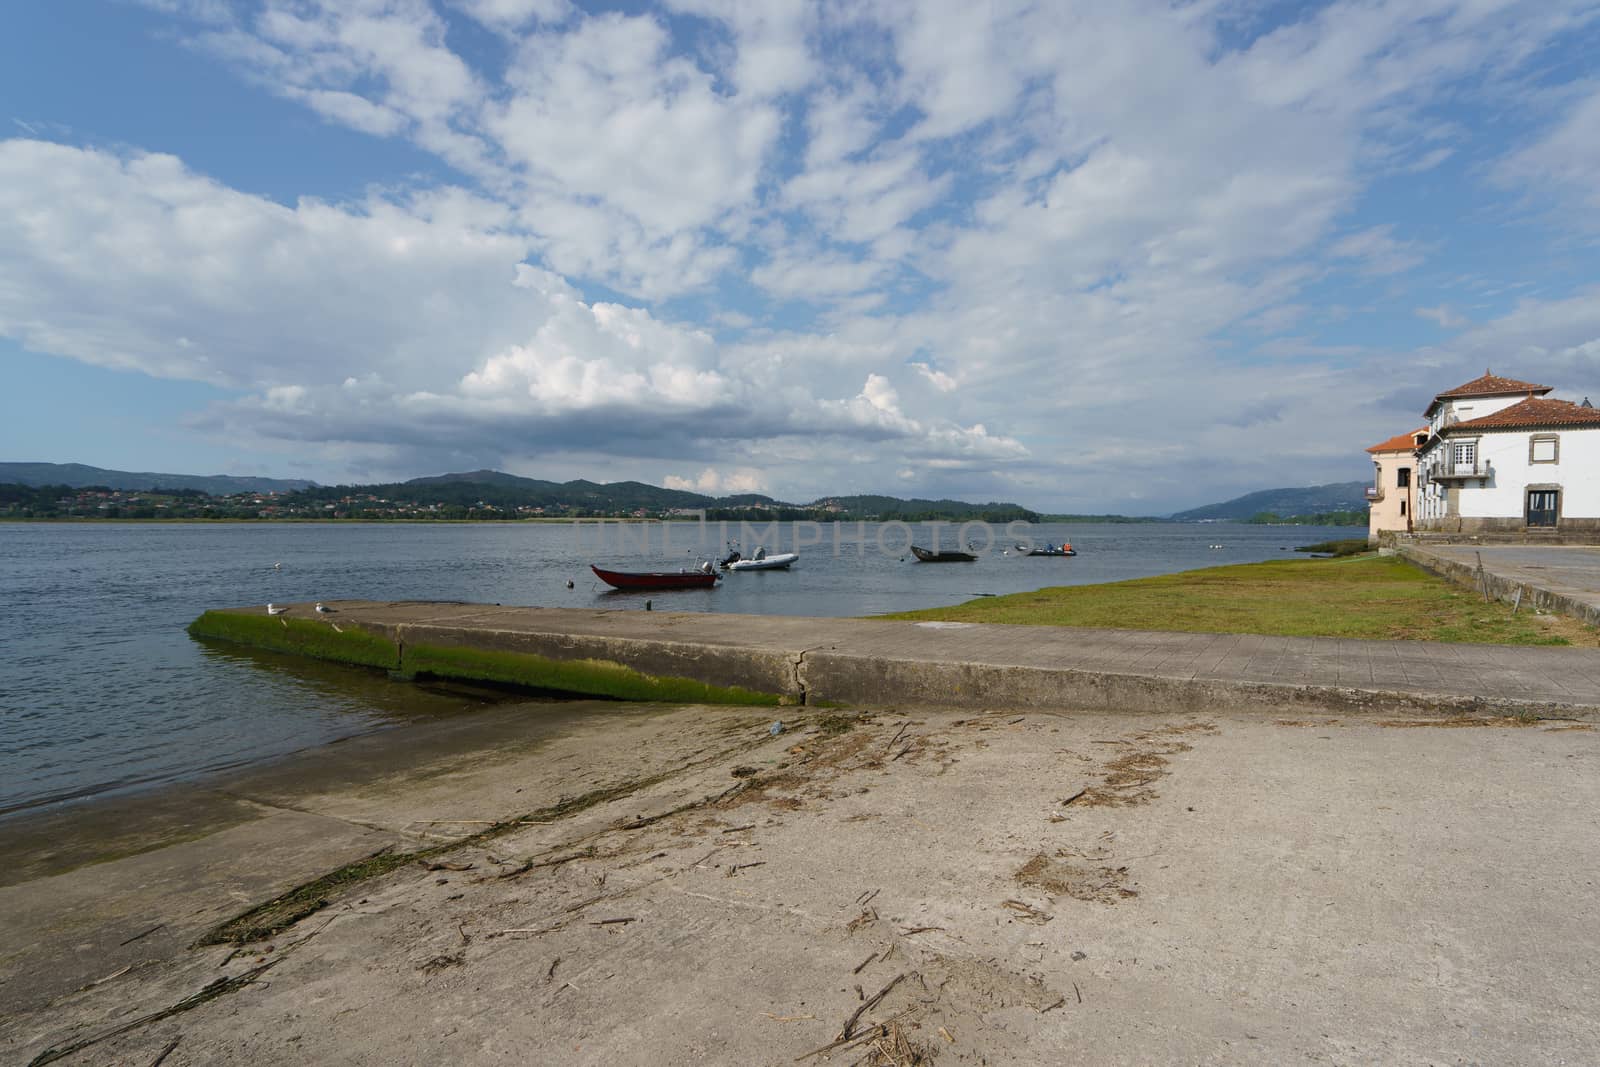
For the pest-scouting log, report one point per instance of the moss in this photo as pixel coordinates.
(588, 676)
(350, 644)
(305, 637)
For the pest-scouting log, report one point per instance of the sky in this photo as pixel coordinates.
(1089, 257)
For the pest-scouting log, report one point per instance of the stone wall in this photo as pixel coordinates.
(1455, 529)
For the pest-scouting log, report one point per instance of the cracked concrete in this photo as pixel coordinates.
(1019, 888)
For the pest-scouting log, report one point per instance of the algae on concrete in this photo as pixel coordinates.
(319, 640)
(588, 676)
(353, 645)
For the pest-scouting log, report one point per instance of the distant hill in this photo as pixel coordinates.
(469, 491)
(890, 507)
(1313, 500)
(500, 490)
(77, 475)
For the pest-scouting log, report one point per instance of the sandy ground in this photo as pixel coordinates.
(898, 887)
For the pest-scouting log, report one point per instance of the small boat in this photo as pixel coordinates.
(927, 556)
(732, 557)
(1047, 550)
(701, 579)
(763, 562)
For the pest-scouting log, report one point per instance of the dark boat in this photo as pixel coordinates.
(1047, 550)
(942, 557)
(656, 579)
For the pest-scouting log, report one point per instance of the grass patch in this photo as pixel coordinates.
(588, 677)
(304, 637)
(1360, 597)
(1353, 546)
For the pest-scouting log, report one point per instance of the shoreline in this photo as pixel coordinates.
(152, 815)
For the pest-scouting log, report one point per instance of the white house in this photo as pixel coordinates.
(1503, 457)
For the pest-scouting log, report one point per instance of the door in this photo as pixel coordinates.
(1542, 507)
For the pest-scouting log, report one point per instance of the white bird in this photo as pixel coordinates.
(322, 609)
(273, 610)
(277, 566)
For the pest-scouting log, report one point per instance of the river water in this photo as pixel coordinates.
(102, 690)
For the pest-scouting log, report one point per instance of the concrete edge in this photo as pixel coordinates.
(1499, 587)
(858, 680)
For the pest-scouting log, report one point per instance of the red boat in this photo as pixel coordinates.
(656, 579)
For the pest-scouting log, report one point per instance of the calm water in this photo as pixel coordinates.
(101, 689)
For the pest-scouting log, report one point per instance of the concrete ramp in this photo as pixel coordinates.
(777, 660)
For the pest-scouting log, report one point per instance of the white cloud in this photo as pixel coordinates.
(977, 242)
(1443, 315)
(720, 483)
(1378, 251)
(937, 378)
(1565, 160)
(508, 15)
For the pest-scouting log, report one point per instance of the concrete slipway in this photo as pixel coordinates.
(877, 663)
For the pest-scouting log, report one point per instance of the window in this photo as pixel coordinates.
(1402, 509)
(1544, 448)
(1464, 455)
(1403, 477)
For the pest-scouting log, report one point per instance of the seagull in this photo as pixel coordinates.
(323, 609)
(272, 610)
(277, 566)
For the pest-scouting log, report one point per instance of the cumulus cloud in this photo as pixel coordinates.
(720, 483)
(1003, 245)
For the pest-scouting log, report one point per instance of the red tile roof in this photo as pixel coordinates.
(1487, 385)
(1533, 413)
(1406, 442)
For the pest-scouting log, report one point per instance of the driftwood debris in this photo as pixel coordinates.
(146, 933)
(164, 1053)
(220, 987)
(871, 1002)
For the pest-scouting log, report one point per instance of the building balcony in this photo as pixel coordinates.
(1460, 472)
(1374, 495)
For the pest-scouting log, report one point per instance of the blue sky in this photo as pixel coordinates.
(1090, 257)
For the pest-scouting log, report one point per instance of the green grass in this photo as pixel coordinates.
(1364, 597)
(1354, 546)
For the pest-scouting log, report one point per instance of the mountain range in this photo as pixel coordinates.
(512, 491)
(1312, 500)
(79, 476)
